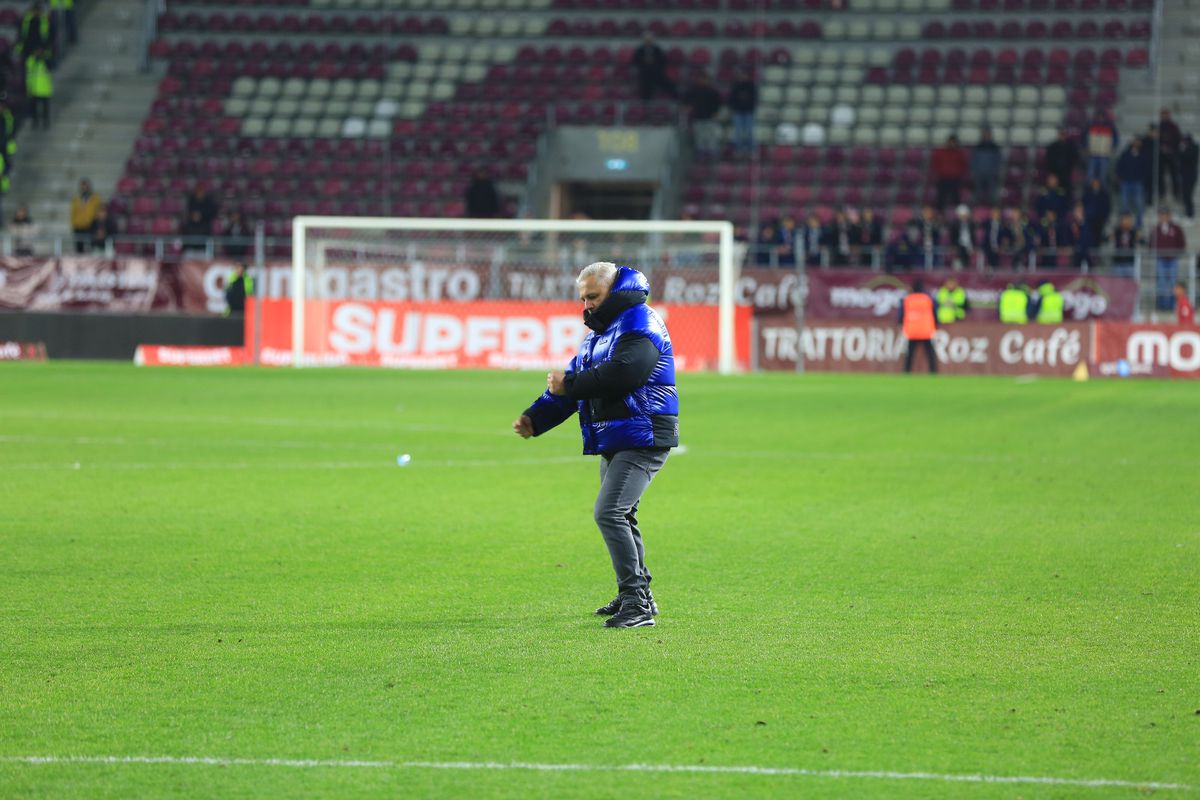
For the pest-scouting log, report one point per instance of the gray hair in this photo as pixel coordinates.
(604, 273)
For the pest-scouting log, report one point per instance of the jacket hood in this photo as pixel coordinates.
(629, 288)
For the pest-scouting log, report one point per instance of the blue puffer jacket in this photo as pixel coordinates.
(648, 416)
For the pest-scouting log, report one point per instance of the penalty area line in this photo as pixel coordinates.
(884, 775)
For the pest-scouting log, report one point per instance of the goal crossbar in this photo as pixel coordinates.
(727, 269)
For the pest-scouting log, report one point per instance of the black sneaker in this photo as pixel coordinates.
(635, 613)
(615, 606)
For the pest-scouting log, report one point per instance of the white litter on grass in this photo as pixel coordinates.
(794, 772)
(679, 450)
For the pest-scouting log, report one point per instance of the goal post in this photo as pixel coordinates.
(510, 260)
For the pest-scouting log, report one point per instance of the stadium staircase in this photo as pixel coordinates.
(99, 104)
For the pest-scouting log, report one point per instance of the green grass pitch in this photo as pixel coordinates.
(857, 574)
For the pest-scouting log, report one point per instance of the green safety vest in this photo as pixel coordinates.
(951, 305)
(37, 78)
(43, 22)
(64, 4)
(1014, 307)
(1050, 312)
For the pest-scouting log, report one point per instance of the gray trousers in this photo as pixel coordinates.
(624, 476)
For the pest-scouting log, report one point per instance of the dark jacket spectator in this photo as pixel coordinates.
(651, 64)
(200, 202)
(1133, 166)
(985, 169)
(104, 228)
(1062, 157)
(24, 231)
(810, 240)
(482, 200)
(195, 229)
(1170, 138)
(838, 237)
(996, 238)
(1052, 198)
(702, 99)
(1097, 206)
(1187, 175)
(239, 234)
(905, 251)
(868, 237)
(766, 245)
(1125, 241)
(743, 95)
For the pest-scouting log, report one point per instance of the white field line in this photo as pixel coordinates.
(382, 463)
(884, 775)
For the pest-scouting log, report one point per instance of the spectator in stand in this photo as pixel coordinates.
(1125, 239)
(1150, 150)
(1187, 176)
(1031, 241)
(837, 239)
(238, 235)
(1097, 207)
(1169, 140)
(482, 201)
(868, 238)
(743, 100)
(1049, 234)
(68, 18)
(1168, 242)
(84, 207)
(1062, 157)
(931, 237)
(651, 64)
(24, 231)
(103, 230)
(1185, 312)
(949, 167)
(1075, 233)
(985, 169)
(33, 31)
(39, 86)
(905, 252)
(1051, 198)
(1102, 141)
(962, 234)
(703, 102)
(997, 238)
(1132, 170)
(766, 245)
(194, 231)
(200, 202)
(787, 241)
(1188, 169)
(810, 241)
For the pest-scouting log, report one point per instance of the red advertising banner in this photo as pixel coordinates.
(962, 349)
(1123, 349)
(22, 351)
(486, 333)
(856, 294)
(159, 355)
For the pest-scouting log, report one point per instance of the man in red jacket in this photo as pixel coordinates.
(1168, 243)
(949, 167)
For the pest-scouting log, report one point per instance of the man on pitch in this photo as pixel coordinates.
(622, 384)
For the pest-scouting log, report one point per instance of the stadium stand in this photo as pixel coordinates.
(371, 107)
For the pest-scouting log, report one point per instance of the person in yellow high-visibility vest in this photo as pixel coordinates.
(34, 32)
(1014, 306)
(1050, 305)
(952, 303)
(40, 88)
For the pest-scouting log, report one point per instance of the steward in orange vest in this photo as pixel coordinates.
(918, 320)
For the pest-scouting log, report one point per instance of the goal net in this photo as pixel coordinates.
(493, 293)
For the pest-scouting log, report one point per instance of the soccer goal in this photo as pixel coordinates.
(500, 293)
